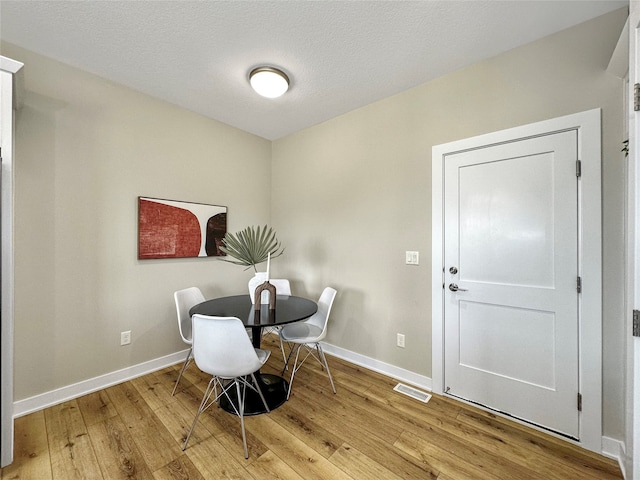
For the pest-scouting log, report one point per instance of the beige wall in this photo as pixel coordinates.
(352, 194)
(85, 150)
(347, 198)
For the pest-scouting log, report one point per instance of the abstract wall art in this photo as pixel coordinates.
(174, 229)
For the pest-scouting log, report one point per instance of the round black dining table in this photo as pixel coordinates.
(288, 309)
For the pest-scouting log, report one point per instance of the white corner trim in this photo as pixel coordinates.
(16, 69)
(369, 363)
(9, 65)
(616, 450)
(54, 397)
(619, 62)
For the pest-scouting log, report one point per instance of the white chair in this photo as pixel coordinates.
(308, 333)
(222, 349)
(185, 299)
(283, 287)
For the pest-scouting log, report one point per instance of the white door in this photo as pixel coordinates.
(510, 279)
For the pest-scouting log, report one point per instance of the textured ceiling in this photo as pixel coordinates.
(340, 55)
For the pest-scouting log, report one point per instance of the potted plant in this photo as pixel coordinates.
(249, 247)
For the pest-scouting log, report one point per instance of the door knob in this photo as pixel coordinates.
(453, 270)
(454, 288)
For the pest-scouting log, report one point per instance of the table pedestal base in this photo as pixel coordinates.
(273, 387)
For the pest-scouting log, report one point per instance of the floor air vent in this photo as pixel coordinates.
(412, 392)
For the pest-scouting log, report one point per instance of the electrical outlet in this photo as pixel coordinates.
(400, 340)
(125, 337)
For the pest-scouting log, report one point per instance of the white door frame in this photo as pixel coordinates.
(631, 464)
(8, 85)
(588, 126)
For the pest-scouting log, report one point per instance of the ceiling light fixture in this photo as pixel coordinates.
(269, 81)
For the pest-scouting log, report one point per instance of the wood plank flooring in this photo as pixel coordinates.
(367, 431)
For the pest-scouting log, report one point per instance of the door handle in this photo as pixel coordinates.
(454, 288)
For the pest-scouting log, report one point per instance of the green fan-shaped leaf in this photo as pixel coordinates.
(251, 246)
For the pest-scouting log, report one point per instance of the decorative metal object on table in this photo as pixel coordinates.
(269, 287)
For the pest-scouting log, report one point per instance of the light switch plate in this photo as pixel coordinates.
(125, 337)
(412, 258)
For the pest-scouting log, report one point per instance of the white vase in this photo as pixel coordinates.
(258, 279)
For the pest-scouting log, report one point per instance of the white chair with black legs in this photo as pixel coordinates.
(222, 349)
(309, 333)
(185, 299)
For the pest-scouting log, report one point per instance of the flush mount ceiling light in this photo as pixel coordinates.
(269, 81)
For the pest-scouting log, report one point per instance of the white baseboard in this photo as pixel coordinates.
(54, 397)
(616, 450)
(611, 447)
(387, 369)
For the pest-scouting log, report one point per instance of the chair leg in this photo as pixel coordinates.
(186, 363)
(255, 382)
(320, 358)
(295, 367)
(201, 408)
(286, 362)
(284, 356)
(241, 415)
(326, 365)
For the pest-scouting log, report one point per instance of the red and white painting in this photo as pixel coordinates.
(173, 229)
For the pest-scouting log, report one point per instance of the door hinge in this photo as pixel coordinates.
(579, 402)
(578, 168)
(636, 323)
(579, 285)
(636, 97)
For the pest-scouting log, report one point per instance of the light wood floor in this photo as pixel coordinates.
(367, 431)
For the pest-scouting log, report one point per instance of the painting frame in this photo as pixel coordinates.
(179, 229)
